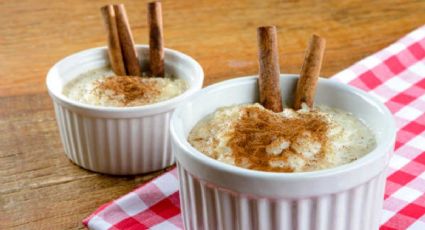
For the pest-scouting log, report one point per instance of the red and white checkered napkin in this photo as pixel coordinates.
(396, 75)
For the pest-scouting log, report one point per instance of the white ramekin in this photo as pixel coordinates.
(215, 195)
(118, 140)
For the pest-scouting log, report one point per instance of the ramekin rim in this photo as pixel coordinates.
(369, 158)
(144, 108)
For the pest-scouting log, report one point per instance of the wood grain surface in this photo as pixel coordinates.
(40, 188)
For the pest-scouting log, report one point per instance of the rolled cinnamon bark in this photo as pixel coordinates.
(269, 73)
(114, 47)
(127, 42)
(156, 39)
(306, 86)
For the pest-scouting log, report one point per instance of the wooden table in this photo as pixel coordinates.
(40, 188)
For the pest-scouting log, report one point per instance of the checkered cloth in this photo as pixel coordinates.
(395, 75)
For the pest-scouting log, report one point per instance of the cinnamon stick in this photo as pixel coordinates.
(127, 42)
(114, 47)
(306, 86)
(156, 39)
(269, 86)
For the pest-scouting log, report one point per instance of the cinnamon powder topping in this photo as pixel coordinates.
(260, 137)
(130, 87)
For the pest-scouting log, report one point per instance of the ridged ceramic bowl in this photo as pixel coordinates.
(215, 195)
(118, 140)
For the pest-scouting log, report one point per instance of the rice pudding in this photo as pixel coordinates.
(253, 137)
(102, 87)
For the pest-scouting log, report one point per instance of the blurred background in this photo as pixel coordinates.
(220, 34)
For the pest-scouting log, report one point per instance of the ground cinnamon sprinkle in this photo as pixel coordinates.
(257, 128)
(130, 87)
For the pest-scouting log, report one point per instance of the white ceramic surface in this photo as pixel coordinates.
(118, 140)
(215, 195)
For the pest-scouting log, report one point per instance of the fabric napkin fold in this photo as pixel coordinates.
(395, 75)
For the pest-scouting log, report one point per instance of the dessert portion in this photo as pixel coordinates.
(102, 87)
(253, 137)
(268, 137)
(126, 84)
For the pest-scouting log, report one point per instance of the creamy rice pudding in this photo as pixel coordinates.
(102, 87)
(253, 137)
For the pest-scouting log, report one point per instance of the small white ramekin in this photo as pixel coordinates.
(118, 140)
(215, 195)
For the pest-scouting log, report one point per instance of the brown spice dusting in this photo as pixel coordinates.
(131, 87)
(257, 128)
